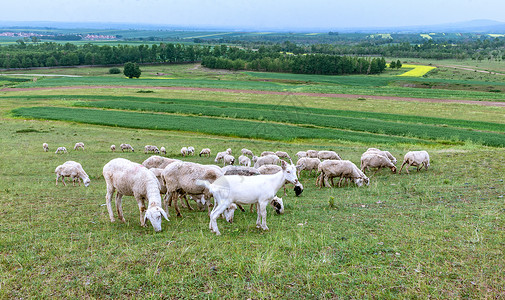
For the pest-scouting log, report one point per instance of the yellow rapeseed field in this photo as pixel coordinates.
(417, 70)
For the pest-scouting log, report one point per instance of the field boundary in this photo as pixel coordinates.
(330, 95)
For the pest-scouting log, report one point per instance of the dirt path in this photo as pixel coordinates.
(484, 103)
(470, 69)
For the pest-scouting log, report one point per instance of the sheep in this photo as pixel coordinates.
(301, 154)
(282, 154)
(163, 150)
(163, 189)
(180, 178)
(73, 170)
(265, 153)
(151, 148)
(265, 160)
(244, 161)
(328, 155)
(133, 179)
(205, 152)
(416, 158)
(276, 203)
(78, 146)
(385, 153)
(233, 189)
(246, 151)
(61, 149)
(113, 148)
(126, 147)
(340, 168)
(240, 170)
(376, 160)
(307, 164)
(228, 160)
(312, 153)
(45, 146)
(156, 161)
(220, 155)
(228, 151)
(191, 150)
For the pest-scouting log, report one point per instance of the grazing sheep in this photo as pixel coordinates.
(416, 158)
(156, 161)
(220, 156)
(328, 155)
(45, 146)
(307, 164)
(61, 149)
(385, 153)
(301, 154)
(261, 189)
(228, 159)
(265, 160)
(191, 150)
(228, 151)
(151, 148)
(282, 154)
(133, 179)
(240, 170)
(163, 150)
(205, 152)
(158, 172)
(312, 153)
(78, 146)
(73, 170)
(246, 151)
(376, 160)
(340, 168)
(265, 153)
(244, 161)
(113, 148)
(126, 147)
(180, 178)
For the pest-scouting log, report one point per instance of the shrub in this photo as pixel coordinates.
(114, 71)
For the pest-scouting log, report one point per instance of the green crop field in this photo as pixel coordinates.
(436, 233)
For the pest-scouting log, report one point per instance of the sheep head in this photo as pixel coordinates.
(154, 214)
(86, 181)
(278, 205)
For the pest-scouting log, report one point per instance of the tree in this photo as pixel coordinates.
(392, 65)
(398, 64)
(131, 70)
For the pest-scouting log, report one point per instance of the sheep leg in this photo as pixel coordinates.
(263, 211)
(57, 177)
(108, 200)
(174, 197)
(165, 204)
(119, 207)
(142, 209)
(326, 183)
(251, 208)
(401, 168)
(187, 203)
(340, 181)
(63, 180)
(240, 207)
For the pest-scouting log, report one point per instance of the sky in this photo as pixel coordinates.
(257, 14)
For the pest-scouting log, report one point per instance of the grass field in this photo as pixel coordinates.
(438, 233)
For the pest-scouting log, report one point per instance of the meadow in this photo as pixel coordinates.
(437, 233)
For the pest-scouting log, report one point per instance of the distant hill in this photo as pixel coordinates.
(473, 26)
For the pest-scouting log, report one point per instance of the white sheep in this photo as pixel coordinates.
(270, 159)
(180, 178)
(340, 168)
(328, 155)
(45, 146)
(78, 146)
(228, 159)
(133, 179)
(61, 149)
(220, 155)
(244, 161)
(151, 148)
(205, 152)
(234, 189)
(158, 172)
(416, 158)
(376, 160)
(156, 161)
(385, 153)
(265, 153)
(282, 154)
(248, 152)
(240, 170)
(73, 170)
(163, 150)
(312, 153)
(184, 151)
(191, 150)
(307, 164)
(301, 154)
(228, 151)
(113, 148)
(126, 147)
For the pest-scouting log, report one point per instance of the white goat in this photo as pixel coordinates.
(61, 149)
(73, 170)
(416, 158)
(133, 179)
(235, 189)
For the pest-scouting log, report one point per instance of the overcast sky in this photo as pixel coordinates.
(257, 14)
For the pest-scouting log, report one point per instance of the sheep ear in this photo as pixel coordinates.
(164, 214)
(283, 164)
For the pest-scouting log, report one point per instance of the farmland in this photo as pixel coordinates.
(436, 233)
